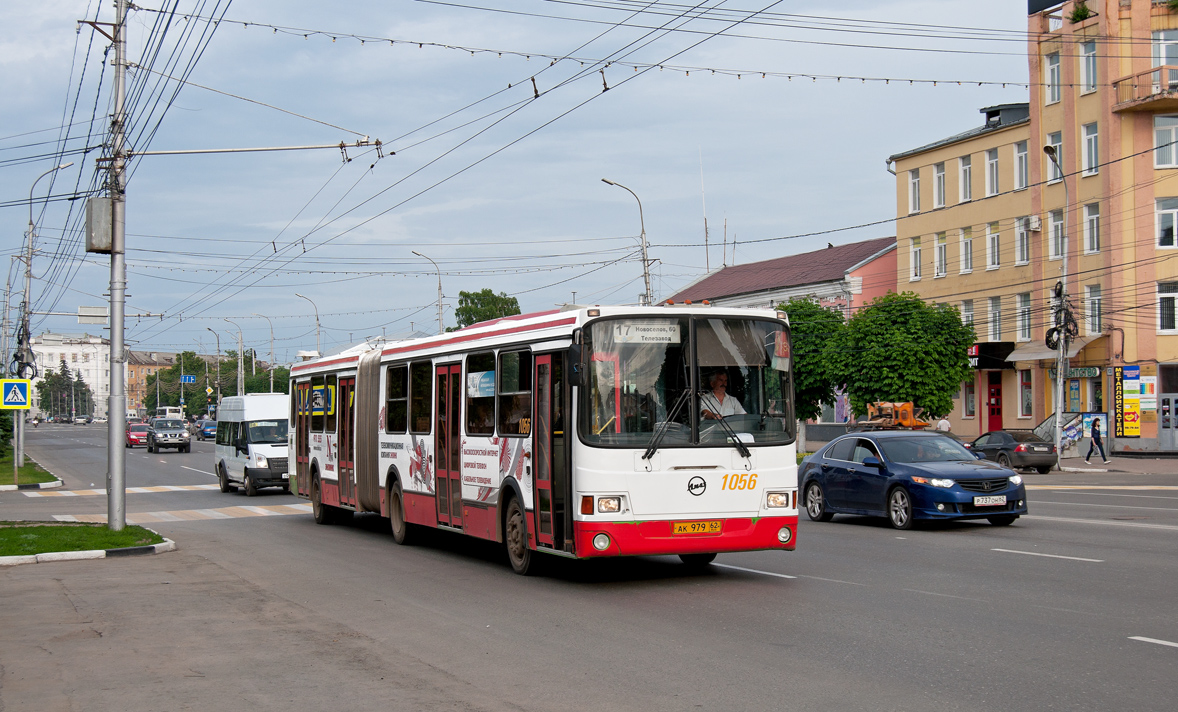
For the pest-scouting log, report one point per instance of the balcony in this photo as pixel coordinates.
(1152, 90)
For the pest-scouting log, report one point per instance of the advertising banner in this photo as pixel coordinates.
(1101, 417)
(1131, 375)
(1118, 402)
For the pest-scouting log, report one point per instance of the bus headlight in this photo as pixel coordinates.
(260, 461)
(601, 542)
(606, 505)
(777, 499)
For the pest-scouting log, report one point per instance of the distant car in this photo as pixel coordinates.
(136, 434)
(168, 432)
(1016, 449)
(101, 421)
(206, 429)
(906, 475)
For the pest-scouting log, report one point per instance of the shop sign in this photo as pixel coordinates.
(1131, 378)
(1118, 402)
(1084, 372)
(990, 355)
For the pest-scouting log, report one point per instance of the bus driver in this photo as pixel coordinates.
(718, 404)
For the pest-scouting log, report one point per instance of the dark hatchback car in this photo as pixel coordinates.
(908, 475)
(1016, 449)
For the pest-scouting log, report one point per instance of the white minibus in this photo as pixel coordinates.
(251, 449)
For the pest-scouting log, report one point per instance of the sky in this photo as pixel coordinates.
(497, 119)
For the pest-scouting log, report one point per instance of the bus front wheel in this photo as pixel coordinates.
(319, 510)
(398, 525)
(515, 536)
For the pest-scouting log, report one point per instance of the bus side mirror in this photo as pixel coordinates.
(575, 367)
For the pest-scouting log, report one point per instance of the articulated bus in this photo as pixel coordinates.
(585, 432)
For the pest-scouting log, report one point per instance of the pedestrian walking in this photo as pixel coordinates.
(1096, 442)
(943, 425)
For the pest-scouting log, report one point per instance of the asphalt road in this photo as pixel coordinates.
(1055, 612)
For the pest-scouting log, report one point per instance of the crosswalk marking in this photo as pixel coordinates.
(188, 515)
(130, 490)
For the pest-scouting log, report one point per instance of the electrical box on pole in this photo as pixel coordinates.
(99, 227)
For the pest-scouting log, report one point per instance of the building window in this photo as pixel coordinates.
(1024, 316)
(914, 191)
(995, 318)
(1165, 48)
(992, 171)
(1167, 211)
(1087, 67)
(940, 259)
(1055, 140)
(966, 250)
(1056, 234)
(1091, 150)
(993, 247)
(1051, 77)
(965, 178)
(1092, 309)
(1092, 227)
(1165, 142)
(968, 399)
(1022, 241)
(1026, 394)
(1167, 293)
(1021, 171)
(914, 254)
(939, 185)
(967, 311)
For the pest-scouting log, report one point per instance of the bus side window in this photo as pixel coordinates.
(421, 377)
(318, 403)
(330, 396)
(515, 393)
(480, 393)
(396, 399)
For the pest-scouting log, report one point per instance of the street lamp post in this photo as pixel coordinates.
(439, 271)
(24, 359)
(240, 361)
(647, 297)
(271, 348)
(1062, 323)
(218, 369)
(318, 348)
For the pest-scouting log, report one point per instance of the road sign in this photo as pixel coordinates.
(14, 393)
(208, 390)
(188, 379)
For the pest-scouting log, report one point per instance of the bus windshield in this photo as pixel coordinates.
(267, 432)
(640, 372)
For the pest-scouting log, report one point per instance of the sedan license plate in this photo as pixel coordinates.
(1040, 448)
(990, 501)
(707, 527)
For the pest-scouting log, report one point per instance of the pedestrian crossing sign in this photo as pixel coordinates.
(14, 393)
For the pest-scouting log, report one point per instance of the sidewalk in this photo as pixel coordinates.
(1123, 465)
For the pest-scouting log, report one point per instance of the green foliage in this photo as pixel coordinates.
(1173, 5)
(196, 402)
(812, 327)
(474, 307)
(61, 392)
(1081, 11)
(6, 434)
(901, 349)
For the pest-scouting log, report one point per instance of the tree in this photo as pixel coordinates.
(901, 349)
(812, 326)
(474, 307)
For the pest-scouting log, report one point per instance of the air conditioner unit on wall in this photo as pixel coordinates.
(1035, 223)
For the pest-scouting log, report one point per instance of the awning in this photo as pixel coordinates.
(1039, 351)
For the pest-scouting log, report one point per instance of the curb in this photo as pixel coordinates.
(165, 545)
(39, 485)
(1082, 469)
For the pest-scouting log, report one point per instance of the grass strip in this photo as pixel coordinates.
(25, 538)
(30, 474)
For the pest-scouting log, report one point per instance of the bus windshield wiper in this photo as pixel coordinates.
(736, 441)
(658, 436)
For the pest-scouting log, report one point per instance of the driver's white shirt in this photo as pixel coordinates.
(730, 406)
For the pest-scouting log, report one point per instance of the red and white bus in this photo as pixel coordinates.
(585, 432)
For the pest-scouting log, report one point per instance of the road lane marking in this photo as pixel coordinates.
(1073, 520)
(129, 490)
(1050, 556)
(1143, 488)
(946, 595)
(754, 571)
(186, 515)
(203, 472)
(1106, 494)
(1113, 506)
(819, 578)
(1153, 640)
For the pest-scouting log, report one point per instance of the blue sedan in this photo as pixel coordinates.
(906, 475)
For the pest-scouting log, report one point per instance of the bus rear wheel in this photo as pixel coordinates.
(401, 529)
(515, 537)
(319, 510)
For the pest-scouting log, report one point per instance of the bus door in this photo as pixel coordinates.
(346, 446)
(303, 437)
(447, 442)
(549, 450)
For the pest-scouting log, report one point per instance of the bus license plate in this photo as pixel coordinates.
(708, 527)
(989, 501)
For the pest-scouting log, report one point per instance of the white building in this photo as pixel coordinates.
(85, 355)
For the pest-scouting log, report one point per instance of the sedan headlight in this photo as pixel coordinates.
(934, 481)
(777, 499)
(260, 461)
(606, 505)
(1016, 480)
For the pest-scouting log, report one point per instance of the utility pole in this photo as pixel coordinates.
(647, 296)
(240, 362)
(439, 271)
(271, 348)
(218, 370)
(1063, 315)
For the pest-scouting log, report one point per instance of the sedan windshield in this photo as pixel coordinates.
(641, 371)
(924, 449)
